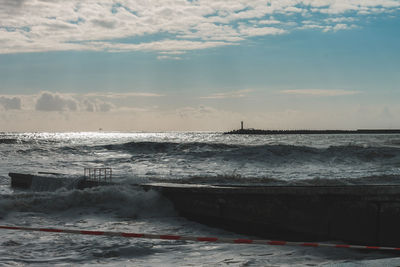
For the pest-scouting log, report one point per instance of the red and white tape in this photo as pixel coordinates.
(196, 239)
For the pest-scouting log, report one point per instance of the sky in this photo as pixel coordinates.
(199, 65)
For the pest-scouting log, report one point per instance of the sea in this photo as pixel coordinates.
(175, 157)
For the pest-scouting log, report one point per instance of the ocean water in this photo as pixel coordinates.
(179, 157)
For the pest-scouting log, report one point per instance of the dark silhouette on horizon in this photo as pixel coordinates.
(271, 132)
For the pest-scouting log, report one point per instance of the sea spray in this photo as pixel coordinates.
(122, 200)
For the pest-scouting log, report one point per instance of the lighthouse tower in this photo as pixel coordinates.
(241, 125)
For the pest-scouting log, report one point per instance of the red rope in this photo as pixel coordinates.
(192, 238)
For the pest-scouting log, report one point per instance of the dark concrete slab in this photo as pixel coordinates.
(359, 214)
(21, 180)
(46, 181)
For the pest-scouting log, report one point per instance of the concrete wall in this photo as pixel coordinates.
(368, 215)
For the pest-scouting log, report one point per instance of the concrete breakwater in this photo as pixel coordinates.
(50, 181)
(358, 214)
(361, 214)
(274, 132)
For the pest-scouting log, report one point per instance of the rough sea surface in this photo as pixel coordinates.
(206, 158)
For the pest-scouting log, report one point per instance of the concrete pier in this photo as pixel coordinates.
(367, 214)
(24, 181)
(286, 132)
(21, 180)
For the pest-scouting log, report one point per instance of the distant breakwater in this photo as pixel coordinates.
(272, 132)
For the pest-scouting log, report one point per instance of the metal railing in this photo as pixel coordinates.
(98, 174)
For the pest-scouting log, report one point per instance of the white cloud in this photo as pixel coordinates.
(54, 102)
(294, 9)
(319, 92)
(94, 105)
(269, 21)
(313, 26)
(234, 94)
(172, 52)
(338, 27)
(10, 102)
(164, 45)
(99, 25)
(48, 101)
(168, 57)
(104, 107)
(65, 102)
(259, 31)
(113, 95)
(339, 19)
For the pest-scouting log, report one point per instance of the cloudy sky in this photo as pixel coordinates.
(175, 65)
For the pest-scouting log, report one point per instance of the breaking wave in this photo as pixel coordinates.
(169, 147)
(261, 152)
(122, 200)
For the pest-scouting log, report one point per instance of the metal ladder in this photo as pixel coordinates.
(98, 174)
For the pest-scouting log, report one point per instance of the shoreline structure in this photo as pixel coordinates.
(272, 132)
(360, 214)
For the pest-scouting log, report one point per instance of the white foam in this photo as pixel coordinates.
(123, 200)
